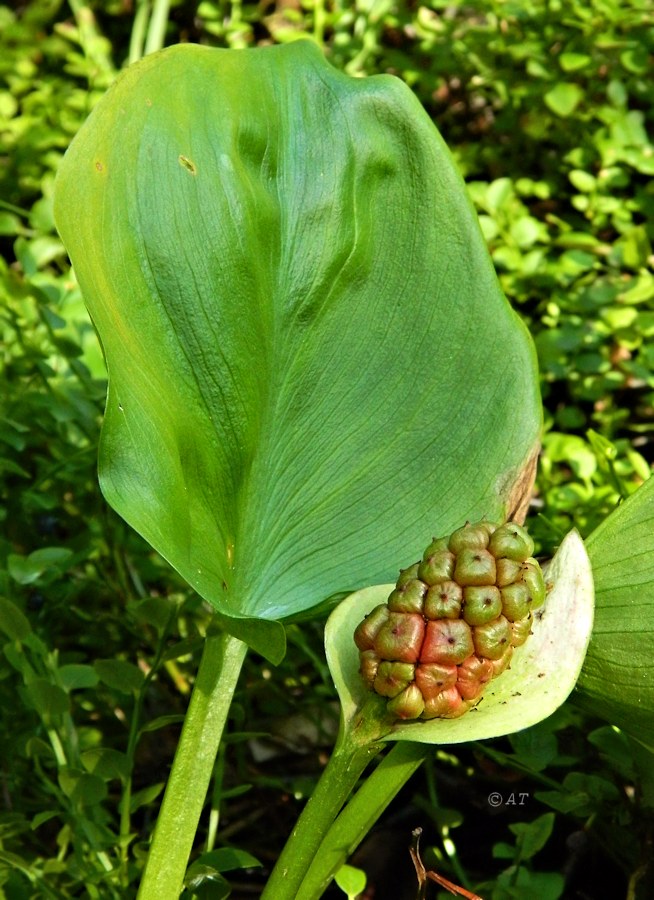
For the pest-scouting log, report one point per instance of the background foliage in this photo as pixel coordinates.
(547, 107)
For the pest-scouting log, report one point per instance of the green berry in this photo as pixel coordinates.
(470, 537)
(393, 677)
(532, 576)
(407, 705)
(492, 639)
(512, 542)
(481, 603)
(409, 597)
(443, 601)
(474, 567)
(436, 544)
(407, 574)
(437, 567)
(507, 571)
(366, 632)
(516, 601)
(521, 630)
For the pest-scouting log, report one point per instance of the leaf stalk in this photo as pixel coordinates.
(190, 775)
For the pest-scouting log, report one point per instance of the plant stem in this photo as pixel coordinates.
(360, 814)
(189, 779)
(139, 29)
(157, 28)
(358, 743)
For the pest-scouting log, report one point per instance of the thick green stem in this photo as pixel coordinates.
(357, 745)
(360, 814)
(192, 767)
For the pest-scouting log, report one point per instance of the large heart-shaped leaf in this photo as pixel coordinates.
(310, 361)
(542, 674)
(617, 680)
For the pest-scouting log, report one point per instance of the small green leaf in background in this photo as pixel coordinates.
(226, 859)
(119, 675)
(82, 788)
(145, 796)
(532, 836)
(351, 881)
(518, 883)
(581, 794)
(564, 98)
(13, 622)
(106, 763)
(28, 569)
(310, 361)
(47, 699)
(572, 62)
(75, 676)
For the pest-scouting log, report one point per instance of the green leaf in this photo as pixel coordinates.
(572, 62)
(47, 699)
(42, 817)
(583, 181)
(82, 788)
(518, 883)
(145, 796)
(162, 722)
(28, 569)
(311, 364)
(13, 622)
(119, 675)
(226, 859)
(564, 98)
(543, 671)
(351, 881)
(106, 763)
(617, 680)
(75, 676)
(532, 836)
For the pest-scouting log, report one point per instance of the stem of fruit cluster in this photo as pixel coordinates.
(360, 814)
(190, 775)
(359, 742)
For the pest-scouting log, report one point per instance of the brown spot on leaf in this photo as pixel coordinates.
(517, 487)
(188, 164)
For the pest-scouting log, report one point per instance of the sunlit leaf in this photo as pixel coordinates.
(310, 360)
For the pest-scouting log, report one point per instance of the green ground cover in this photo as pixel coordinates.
(547, 107)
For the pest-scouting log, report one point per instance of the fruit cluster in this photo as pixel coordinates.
(452, 622)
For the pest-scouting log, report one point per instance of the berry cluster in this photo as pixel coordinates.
(452, 621)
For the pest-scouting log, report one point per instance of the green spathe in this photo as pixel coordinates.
(310, 360)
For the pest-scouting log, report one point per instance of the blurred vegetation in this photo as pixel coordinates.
(548, 108)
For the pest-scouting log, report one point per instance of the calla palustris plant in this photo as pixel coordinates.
(311, 364)
(535, 676)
